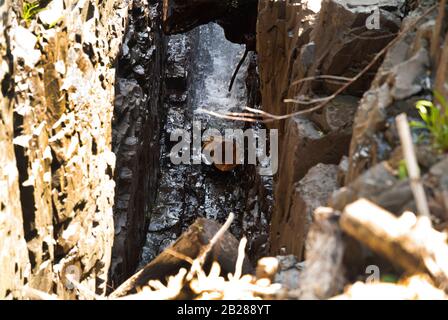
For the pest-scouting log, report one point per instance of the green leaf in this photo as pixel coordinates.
(402, 170)
(389, 278)
(418, 125)
(441, 99)
(423, 107)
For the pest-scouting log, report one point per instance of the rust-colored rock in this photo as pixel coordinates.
(306, 144)
(14, 263)
(217, 148)
(288, 232)
(60, 189)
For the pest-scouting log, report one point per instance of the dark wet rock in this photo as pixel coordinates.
(136, 129)
(204, 61)
(237, 17)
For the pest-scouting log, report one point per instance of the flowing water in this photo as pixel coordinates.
(187, 192)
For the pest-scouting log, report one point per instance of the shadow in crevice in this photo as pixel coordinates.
(138, 115)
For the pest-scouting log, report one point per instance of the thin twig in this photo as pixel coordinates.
(268, 117)
(199, 261)
(240, 259)
(238, 68)
(411, 162)
(374, 37)
(226, 116)
(322, 77)
(179, 255)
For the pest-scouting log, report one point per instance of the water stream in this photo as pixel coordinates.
(186, 192)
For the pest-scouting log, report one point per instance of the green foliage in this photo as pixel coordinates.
(30, 10)
(435, 120)
(389, 278)
(402, 170)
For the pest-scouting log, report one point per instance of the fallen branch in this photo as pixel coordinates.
(198, 263)
(202, 243)
(408, 242)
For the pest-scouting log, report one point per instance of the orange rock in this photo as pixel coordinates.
(219, 142)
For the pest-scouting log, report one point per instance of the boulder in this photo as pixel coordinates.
(289, 231)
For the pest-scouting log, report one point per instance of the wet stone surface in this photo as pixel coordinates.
(198, 72)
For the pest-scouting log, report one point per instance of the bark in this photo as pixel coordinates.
(409, 242)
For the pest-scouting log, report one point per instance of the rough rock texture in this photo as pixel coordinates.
(404, 78)
(138, 115)
(295, 42)
(63, 81)
(288, 274)
(13, 253)
(288, 234)
(324, 273)
(237, 17)
(410, 70)
(296, 36)
(305, 144)
(166, 212)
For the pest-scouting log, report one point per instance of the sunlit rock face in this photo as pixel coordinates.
(237, 17)
(304, 39)
(57, 164)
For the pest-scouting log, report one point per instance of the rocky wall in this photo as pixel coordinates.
(57, 162)
(306, 40)
(137, 120)
(14, 256)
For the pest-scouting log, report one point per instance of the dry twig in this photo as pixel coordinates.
(269, 117)
(411, 163)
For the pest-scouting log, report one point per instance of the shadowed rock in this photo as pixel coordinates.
(238, 17)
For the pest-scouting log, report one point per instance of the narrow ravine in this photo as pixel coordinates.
(199, 68)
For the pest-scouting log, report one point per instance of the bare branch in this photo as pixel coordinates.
(411, 162)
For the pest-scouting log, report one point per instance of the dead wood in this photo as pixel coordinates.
(408, 242)
(180, 255)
